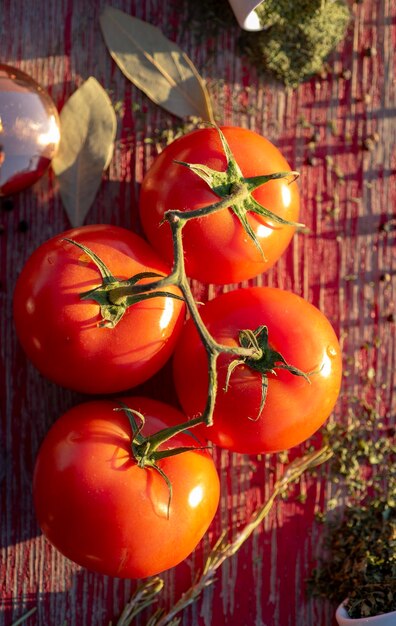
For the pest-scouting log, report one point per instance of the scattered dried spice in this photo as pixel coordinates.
(370, 52)
(311, 160)
(388, 226)
(162, 137)
(297, 37)
(359, 561)
(346, 74)
(370, 142)
(385, 278)
(23, 226)
(6, 204)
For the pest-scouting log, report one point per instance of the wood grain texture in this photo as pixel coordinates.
(345, 265)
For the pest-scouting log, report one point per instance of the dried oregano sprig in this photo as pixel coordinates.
(363, 464)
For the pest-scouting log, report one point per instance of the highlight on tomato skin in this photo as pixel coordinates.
(217, 247)
(61, 333)
(101, 510)
(295, 406)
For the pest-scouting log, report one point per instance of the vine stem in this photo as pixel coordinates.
(177, 221)
(222, 549)
(234, 192)
(178, 277)
(212, 347)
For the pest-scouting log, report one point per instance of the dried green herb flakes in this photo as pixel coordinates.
(297, 37)
(361, 561)
(359, 550)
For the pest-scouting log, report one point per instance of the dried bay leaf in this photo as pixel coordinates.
(88, 129)
(155, 65)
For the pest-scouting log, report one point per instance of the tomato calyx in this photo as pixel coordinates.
(145, 449)
(264, 360)
(115, 296)
(233, 185)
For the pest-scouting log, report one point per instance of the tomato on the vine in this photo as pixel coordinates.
(102, 509)
(61, 333)
(297, 402)
(218, 248)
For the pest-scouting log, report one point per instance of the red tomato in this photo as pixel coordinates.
(217, 248)
(60, 333)
(294, 408)
(101, 510)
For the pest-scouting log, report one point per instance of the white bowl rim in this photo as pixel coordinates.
(343, 613)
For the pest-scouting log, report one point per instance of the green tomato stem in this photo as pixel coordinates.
(238, 192)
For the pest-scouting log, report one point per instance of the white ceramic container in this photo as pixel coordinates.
(244, 11)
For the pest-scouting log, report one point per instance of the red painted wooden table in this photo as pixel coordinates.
(345, 266)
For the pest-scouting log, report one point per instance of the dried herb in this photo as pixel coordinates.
(359, 560)
(155, 65)
(364, 460)
(297, 37)
(88, 129)
(169, 132)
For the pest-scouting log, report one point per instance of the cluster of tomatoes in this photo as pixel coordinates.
(100, 497)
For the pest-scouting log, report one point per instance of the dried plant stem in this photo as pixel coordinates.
(221, 551)
(144, 596)
(24, 617)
